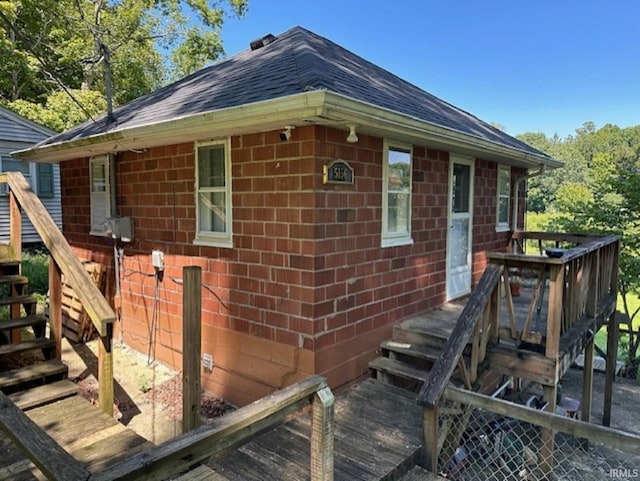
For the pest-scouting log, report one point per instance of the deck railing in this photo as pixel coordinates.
(181, 453)
(62, 261)
(577, 274)
(478, 323)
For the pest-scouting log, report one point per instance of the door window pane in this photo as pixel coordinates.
(461, 188)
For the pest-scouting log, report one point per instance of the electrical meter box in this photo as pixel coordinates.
(119, 228)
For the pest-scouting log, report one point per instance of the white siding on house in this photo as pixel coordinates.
(17, 133)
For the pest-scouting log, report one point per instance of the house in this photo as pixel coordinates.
(324, 198)
(17, 133)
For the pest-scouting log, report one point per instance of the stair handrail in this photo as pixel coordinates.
(441, 372)
(64, 262)
(97, 307)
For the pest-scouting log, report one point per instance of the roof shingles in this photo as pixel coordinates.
(298, 60)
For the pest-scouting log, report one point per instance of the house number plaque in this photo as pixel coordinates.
(337, 172)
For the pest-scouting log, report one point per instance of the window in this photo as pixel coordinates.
(396, 195)
(45, 180)
(9, 164)
(504, 188)
(101, 171)
(42, 173)
(213, 194)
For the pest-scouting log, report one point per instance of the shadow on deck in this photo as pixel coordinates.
(378, 435)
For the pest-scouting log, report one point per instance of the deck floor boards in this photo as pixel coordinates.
(89, 435)
(378, 429)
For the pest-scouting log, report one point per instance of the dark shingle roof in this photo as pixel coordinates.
(296, 61)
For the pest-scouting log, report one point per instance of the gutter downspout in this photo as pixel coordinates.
(519, 182)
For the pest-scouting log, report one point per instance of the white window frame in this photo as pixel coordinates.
(503, 225)
(390, 239)
(97, 225)
(210, 238)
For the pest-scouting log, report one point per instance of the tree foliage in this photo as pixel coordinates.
(597, 191)
(47, 46)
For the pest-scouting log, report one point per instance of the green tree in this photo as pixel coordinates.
(61, 112)
(607, 200)
(120, 48)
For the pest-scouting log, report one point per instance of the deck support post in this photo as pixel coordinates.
(552, 351)
(430, 437)
(322, 429)
(612, 340)
(547, 435)
(612, 357)
(55, 305)
(105, 371)
(191, 346)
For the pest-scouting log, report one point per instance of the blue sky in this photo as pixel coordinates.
(530, 65)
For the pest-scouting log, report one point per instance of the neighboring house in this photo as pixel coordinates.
(324, 198)
(17, 133)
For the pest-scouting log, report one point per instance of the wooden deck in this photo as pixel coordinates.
(89, 435)
(378, 435)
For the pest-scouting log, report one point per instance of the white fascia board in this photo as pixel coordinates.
(391, 123)
(271, 114)
(314, 107)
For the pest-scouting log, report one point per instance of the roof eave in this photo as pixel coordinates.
(392, 123)
(305, 107)
(319, 107)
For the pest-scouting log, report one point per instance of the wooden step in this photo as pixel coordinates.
(416, 332)
(201, 473)
(35, 374)
(19, 323)
(419, 474)
(30, 345)
(7, 301)
(418, 351)
(9, 267)
(13, 279)
(40, 395)
(399, 369)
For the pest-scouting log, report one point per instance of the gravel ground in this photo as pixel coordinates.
(148, 397)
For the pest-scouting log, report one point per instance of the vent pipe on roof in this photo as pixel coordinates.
(261, 42)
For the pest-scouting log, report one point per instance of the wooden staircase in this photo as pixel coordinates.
(30, 372)
(407, 358)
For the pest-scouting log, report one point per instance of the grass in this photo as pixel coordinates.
(35, 265)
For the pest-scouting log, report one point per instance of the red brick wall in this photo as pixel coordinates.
(306, 287)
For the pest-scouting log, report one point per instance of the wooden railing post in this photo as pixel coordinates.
(612, 341)
(105, 371)
(55, 305)
(191, 346)
(552, 351)
(15, 227)
(15, 251)
(322, 435)
(430, 434)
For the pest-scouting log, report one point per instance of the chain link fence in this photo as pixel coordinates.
(479, 445)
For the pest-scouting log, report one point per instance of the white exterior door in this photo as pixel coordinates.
(460, 221)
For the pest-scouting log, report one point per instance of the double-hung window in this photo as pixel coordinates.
(213, 194)
(396, 195)
(504, 188)
(101, 197)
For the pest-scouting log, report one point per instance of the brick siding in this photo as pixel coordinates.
(306, 287)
